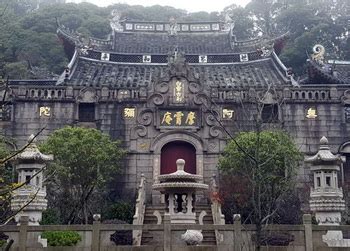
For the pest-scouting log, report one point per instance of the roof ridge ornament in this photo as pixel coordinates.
(318, 54)
(229, 23)
(177, 64)
(173, 27)
(116, 22)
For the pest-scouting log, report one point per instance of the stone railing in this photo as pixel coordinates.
(237, 237)
(139, 211)
(218, 217)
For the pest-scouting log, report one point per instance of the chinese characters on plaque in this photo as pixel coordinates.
(129, 112)
(44, 111)
(179, 92)
(178, 118)
(311, 113)
(227, 113)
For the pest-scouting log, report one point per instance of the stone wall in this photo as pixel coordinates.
(143, 136)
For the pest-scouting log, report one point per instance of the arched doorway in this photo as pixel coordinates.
(177, 150)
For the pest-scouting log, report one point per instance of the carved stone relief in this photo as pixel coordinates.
(157, 99)
(138, 131)
(145, 117)
(162, 87)
(194, 87)
(346, 97)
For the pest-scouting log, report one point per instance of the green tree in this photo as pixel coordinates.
(5, 181)
(85, 160)
(266, 162)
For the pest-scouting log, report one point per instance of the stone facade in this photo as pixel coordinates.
(205, 80)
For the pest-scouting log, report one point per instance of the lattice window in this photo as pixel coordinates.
(94, 55)
(87, 112)
(223, 58)
(192, 59)
(126, 58)
(161, 59)
(254, 56)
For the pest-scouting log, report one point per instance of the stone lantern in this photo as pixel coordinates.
(326, 198)
(179, 189)
(29, 166)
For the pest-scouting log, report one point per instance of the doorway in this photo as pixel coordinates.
(175, 150)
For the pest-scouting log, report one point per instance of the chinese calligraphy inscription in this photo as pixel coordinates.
(179, 92)
(178, 118)
(311, 113)
(227, 113)
(45, 111)
(129, 113)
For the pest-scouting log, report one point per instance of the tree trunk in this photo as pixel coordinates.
(258, 236)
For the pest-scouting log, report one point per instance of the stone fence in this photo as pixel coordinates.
(96, 237)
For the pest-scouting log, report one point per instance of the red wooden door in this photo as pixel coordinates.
(178, 150)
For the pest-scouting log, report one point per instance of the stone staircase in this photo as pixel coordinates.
(153, 238)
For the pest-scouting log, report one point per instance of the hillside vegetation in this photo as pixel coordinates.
(29, 47)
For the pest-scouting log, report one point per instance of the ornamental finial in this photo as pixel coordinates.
(180, 163)
(324, 141)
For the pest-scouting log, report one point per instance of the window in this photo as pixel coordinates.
(87, 112)
(269, 113)
(28, 179)
(5, 112)
(347, 113)
(318, 181)
(328, 181)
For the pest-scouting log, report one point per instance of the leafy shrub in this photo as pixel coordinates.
(61, 238)
(121, 210)
(50, 217)
(2, 243)
(3, 239)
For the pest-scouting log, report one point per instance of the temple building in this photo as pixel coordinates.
(173, 91)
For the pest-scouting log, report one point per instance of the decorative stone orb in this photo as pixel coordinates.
(192, 237)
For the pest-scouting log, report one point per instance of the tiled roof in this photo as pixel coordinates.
(97, 73)
(162, 43)
(328, 73)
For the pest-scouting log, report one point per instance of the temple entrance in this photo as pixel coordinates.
(178, 150)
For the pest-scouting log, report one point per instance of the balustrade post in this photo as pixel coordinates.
(95, 245)
(23, 221)
(237, 227)
(308, 232)
(167, 233)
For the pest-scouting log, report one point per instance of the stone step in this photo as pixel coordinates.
(149, 218)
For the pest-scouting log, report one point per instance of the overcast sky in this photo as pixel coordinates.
(189, 5)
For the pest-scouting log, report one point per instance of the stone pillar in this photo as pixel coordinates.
(29, 200)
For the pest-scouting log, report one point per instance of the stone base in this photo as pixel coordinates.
(328, 218)
(34, 217)
(335, 239)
